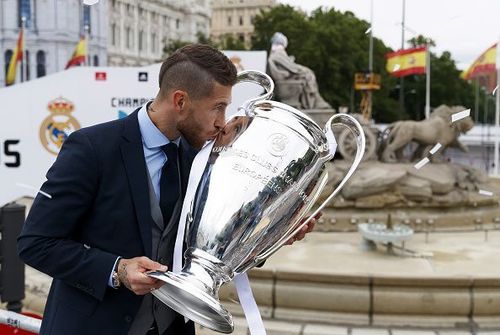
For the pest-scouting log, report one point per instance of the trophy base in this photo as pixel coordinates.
(189, 300)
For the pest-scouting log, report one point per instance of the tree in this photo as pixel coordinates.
(334, 45)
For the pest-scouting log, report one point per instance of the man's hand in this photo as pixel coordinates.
(304, 230)
(131, 273)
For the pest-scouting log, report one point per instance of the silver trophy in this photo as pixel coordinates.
(264, 174)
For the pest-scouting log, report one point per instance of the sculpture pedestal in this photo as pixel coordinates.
(320, 116)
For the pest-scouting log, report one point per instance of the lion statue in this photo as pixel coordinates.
(426, 133)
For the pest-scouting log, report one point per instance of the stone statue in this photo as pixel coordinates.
(427, 133)
(295, 84)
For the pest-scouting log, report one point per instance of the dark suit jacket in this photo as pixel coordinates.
(99, 210)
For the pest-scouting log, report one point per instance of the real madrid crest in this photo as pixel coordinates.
(58, 125)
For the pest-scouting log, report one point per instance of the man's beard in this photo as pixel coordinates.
(190, 134)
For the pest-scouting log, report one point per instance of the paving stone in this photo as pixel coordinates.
(367, 331)
(282, 328)
(324, 330)
(412, 332)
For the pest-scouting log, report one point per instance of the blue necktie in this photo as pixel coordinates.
(169, 182)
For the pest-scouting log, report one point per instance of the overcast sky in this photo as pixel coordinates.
(464, 27)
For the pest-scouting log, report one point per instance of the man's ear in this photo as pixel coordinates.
(179, 98)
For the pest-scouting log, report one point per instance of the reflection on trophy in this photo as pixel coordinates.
(263, 175)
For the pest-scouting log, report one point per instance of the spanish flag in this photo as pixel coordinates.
(484, 64)
(17, 56)
(407, 61)
(79, 55)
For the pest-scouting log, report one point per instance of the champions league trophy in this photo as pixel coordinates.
(264, 174)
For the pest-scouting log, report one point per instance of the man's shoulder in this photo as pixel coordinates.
(105, 135)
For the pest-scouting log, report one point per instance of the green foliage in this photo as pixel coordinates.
(230, 42)
(227, 42)
(335, 46)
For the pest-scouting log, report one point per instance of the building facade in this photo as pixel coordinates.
(139, 30)
(235, 17)
(52, 31)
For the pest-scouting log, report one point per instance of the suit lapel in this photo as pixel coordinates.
(135, 166)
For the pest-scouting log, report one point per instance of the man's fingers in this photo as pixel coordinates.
(149, 264)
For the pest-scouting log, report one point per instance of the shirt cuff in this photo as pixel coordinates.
(110, 280)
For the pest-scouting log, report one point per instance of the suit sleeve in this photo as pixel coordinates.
(47, 239)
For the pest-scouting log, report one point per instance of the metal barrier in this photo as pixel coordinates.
(20, 321)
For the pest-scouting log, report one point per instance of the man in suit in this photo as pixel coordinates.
(117, 190)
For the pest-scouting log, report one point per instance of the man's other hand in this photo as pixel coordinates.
(131, 273)
(304, 230)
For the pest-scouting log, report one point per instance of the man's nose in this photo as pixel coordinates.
(220, 122)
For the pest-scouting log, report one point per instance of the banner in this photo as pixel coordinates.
(79, 55)
(17, 56)
(406, 62)
(484, 64)
(33, 130)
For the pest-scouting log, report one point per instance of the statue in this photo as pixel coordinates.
(295, 84)
(427, 133)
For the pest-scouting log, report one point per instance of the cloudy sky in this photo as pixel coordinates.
(464, 27)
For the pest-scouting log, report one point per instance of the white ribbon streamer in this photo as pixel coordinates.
(247, 301)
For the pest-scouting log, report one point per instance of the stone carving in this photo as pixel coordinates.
(295, 84)
(399, 185)
(393, 181)
(437, 129)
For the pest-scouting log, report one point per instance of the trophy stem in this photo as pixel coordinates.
(194, 292)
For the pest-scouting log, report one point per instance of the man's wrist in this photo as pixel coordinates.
(115, 280)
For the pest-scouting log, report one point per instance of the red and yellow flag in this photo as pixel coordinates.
(407, 61)
(17, 56)
(79, 54)
(484, 64)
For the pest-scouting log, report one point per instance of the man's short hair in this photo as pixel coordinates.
(195, 68)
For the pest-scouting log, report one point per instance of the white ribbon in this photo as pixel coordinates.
(247, 301)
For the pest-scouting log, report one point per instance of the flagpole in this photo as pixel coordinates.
(427, 82)
(23, 51)
(401, 81)
(86, 28)
(497, 112)
(370, 60)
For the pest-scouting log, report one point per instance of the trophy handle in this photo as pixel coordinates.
(259, 78)
(352, 124)
(355, 127)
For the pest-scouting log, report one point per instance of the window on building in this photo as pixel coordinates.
(241, 37)
(153, 42)
(128, 33)
(113, 3)
(241, 20)
(141, 40)
(86, 19)
(229, 20)
(177, 23)
(8, 56)
(40, 64)
(113, 34)
(24, 10)
(252, 18)
(27, 65)
(96, 60)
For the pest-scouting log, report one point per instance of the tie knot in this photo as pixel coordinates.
(171, 151)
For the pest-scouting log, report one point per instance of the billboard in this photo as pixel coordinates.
(37, 116)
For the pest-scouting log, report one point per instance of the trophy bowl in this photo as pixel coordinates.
(264, 173)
